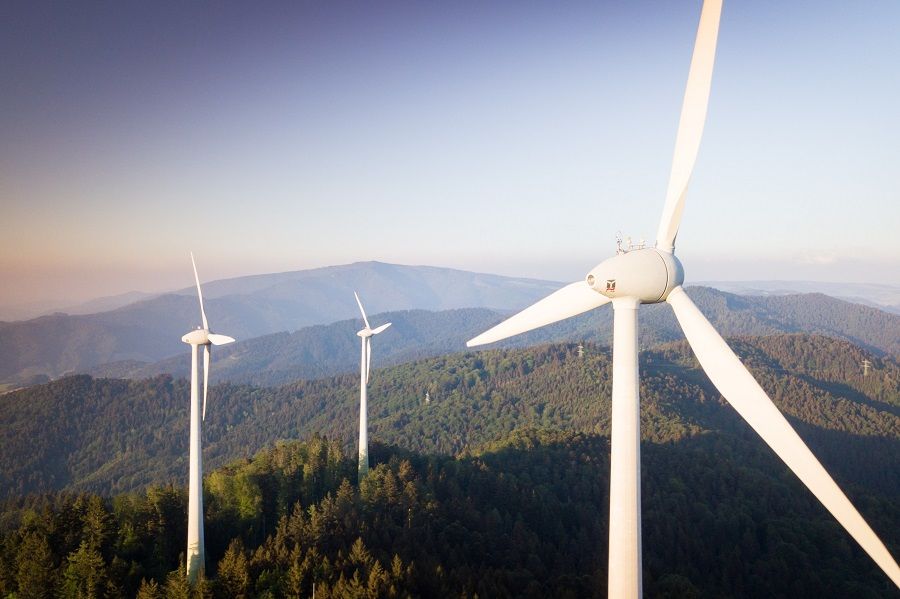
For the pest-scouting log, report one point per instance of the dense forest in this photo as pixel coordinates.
(113, 436)
(522, 517)
(490, 480)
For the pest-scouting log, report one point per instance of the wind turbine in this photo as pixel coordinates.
(638, 275)
(196, 556)
(365, 335)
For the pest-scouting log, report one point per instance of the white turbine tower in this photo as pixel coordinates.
(636, 276)
(365, 335)
(196, 556)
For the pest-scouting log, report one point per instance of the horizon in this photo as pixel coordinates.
(304, 137)
(27, 311)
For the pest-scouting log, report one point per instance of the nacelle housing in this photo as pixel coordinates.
(646, 274)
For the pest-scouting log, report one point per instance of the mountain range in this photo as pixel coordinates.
(326, 350)
(246, 307)
(878, 295)
(286, 323)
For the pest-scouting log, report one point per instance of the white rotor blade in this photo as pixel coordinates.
(205, 376)
(368, 357)
(690, 127)
(361, 311)
(741, 390)
(199, 293)
(381, 328)
(217, 339)
(569, 301)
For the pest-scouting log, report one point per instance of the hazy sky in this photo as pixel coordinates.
(505, 137)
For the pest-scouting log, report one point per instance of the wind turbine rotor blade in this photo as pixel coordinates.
(199, 293)
(361, 311)
(205, 376)
(368, 357)
(742, 391)
(690, 127)
(381, 328)
(216, 339)
(569, 301)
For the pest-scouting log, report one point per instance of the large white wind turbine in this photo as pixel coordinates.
(365, 335)
(638, 275)
(196, 556)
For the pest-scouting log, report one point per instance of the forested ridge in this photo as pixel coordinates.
(496, 485)
(115, 436)
(328, 350)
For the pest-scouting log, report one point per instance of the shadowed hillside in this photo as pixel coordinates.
(525, 516)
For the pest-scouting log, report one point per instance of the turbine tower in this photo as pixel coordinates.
(639, 275)
(196, 556)
(365, 335)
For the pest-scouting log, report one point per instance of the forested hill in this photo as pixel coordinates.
(333, 349)
(115, 436)
(129, 342)
(526, 517)
(323, 350)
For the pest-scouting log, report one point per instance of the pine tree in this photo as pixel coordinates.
(85, 573)
(234, 572)
(35, 576)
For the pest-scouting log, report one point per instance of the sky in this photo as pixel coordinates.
(508, 137)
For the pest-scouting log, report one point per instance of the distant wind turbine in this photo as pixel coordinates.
(196, 555)
(638, 275)
(366, 335)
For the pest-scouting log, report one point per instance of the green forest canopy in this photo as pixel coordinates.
(496, 487)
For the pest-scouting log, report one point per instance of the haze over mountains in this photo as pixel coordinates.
(302, 324)
(325, 350)
(878, 295)
(247, 307)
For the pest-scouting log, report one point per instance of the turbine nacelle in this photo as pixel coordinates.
(204, 337)
(647, 275)
(197, 337)
(367, 332)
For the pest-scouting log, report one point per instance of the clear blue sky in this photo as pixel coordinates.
(505, 137)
